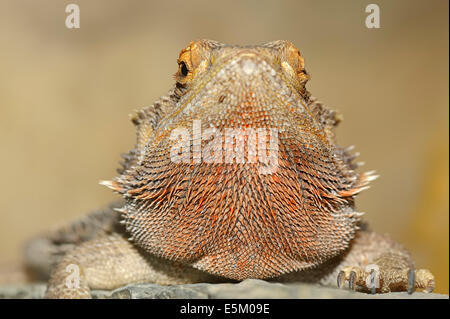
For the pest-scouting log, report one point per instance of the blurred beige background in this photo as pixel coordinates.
(65, 96)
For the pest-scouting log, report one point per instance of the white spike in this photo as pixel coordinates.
(355, 214)
(350, 148)
(361, 189)
(120, 210)
(371, 178)
(108, 184)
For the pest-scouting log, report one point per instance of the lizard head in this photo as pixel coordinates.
(204, 59)
(213, 77)
(235, 171)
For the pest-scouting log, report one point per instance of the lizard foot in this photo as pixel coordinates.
(385, 279)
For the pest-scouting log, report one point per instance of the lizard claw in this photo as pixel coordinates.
(341, 279)
(350, 274)
(411, 280)
(373, 288)
(421, 278)
(351, 281)
(384, 279)
(424, 279)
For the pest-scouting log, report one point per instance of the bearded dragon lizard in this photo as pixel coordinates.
(235, 174)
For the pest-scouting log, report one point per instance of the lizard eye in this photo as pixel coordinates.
(191, 61)
(184, 71)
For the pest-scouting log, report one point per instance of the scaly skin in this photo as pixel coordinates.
(218, 211)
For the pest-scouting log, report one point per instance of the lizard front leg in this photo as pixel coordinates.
(375, 263)
(43, 252)
(111, 261)
(92, 252)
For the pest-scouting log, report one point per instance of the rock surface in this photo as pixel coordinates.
(250, 288)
